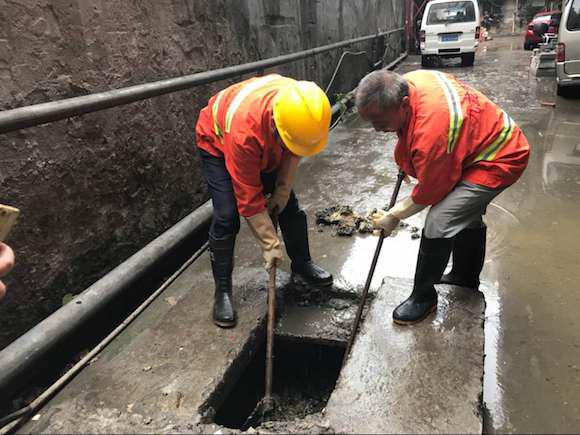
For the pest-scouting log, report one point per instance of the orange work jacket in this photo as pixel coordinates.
(236, 125)
(456, 133)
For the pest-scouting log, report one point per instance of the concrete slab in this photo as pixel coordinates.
(425, 378)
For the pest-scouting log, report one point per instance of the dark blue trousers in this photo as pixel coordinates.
(226, 219)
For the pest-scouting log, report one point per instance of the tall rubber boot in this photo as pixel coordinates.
(431, 261)
(468, 258)
(304, 270)
(222, 264)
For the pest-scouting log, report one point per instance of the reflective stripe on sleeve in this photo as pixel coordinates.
(214, 112)
(242, 94)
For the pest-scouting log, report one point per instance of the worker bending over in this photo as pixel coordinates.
(463, 150)
(251, 137)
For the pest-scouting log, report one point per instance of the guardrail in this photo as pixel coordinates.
(23, 117)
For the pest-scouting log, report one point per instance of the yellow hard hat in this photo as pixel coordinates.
(302, 116)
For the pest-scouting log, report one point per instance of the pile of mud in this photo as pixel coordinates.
(345, 221)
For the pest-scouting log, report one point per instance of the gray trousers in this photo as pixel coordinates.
(462, 208)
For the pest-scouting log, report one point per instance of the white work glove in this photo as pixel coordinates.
(385, 221)
(263, 229)
(388, 220)
(284, 182)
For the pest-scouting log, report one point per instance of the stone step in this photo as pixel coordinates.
(425, 378)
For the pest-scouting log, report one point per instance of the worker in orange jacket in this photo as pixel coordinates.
(463, 150)
(251, 137)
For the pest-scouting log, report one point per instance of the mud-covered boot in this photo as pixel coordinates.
(310, 274)
(431, 261)
(304, 271)
(222, 263)
(468, 258)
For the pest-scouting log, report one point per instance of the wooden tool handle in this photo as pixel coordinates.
(8, 216)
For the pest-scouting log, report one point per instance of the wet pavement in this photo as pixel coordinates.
(166, 366)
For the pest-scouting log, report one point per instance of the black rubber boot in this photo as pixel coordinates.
(304, 270)
(468, 258)
(431, 261)
(222, 264)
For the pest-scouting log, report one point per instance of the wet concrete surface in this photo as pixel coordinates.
(532, 343)
(424, 378)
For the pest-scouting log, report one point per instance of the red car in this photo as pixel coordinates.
(551, 18)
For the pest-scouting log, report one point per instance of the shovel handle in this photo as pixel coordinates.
(270, 331)
(271, 319)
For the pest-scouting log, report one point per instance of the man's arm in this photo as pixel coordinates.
(8, 216)
(6, 264)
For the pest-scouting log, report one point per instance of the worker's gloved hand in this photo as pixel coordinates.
(385, 221)
(284, 182)
(277, 200)
(263, 229)
(388, 220)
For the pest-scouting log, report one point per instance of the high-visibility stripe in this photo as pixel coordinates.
(214, 112)
(490, 152)
(455, 112)
(242, 94)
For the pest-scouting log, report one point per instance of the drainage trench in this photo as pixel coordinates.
(305, 374)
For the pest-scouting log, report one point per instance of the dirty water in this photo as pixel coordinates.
(306, 373)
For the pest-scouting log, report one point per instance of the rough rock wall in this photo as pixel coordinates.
(96, 188)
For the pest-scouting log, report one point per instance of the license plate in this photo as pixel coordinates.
(449, 38)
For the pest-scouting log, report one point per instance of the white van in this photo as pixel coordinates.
(568, 49)
(450, 29)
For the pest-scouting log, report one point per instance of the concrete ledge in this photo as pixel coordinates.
(168, 366)
(425, 378)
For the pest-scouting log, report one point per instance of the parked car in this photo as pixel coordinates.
(450, 29)
(568, 48)
(551, 18)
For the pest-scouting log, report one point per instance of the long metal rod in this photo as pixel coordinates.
(400, 177)
(37, 114)
(26, 351)
(270, 336)
(268, 401)
(64, 379)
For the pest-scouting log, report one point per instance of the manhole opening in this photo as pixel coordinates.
(305, 374)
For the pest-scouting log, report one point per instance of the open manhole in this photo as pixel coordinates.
(305, 374)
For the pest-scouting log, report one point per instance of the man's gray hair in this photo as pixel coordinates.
(383, 89)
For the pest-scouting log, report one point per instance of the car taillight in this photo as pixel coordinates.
(422, 36)
(477, 31)
(561, 52)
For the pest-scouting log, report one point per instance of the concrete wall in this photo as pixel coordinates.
(94, 189)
